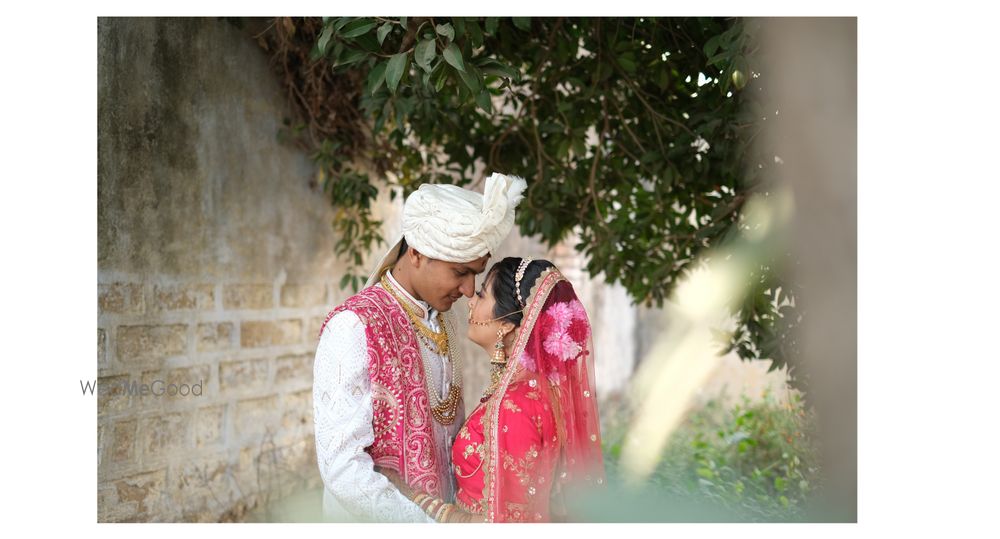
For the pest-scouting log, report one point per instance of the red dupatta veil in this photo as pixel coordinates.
(553, 348)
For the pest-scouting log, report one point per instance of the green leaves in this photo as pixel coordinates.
(472, 78)
(483, 101)
(349, 56)
(453, 55)
(475, 34)
(758, 458)
(627, 61)
(446, 31)
(394, 70)
(324, 38)
(384, 31)
(424, 53)
(341, 22)
(646, 201)
(712, 45)
(725, 51)
(490, 66)
(376, 78)
(357, 27)
(491, 25)
(770, 479)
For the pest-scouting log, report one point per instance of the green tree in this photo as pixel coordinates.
(636, 133)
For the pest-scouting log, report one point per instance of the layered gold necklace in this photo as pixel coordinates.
(443, 410)
(497, 371)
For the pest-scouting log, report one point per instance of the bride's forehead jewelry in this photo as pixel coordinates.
(517, 279)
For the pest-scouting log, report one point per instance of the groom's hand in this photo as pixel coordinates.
(397, 481)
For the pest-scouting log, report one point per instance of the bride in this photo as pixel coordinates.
(535, 435)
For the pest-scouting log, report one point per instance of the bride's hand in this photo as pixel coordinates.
(455, 515)
(460, 516)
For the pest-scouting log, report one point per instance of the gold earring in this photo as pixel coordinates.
(499, 357)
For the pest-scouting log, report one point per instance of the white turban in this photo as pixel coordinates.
(446, 222)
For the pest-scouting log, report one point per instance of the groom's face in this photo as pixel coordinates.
(441, 283)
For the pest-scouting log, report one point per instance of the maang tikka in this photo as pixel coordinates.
(525, 262)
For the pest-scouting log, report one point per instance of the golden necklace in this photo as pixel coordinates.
(496, 373)
(444, 410)
(497, 369)
(437, 341)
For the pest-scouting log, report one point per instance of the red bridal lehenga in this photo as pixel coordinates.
(536, 437)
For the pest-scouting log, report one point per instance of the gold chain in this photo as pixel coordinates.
(438, 341)
(495, 374)
(443, 410)
(497, 371)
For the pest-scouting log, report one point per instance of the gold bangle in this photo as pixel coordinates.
(432, 507)
(439, 515)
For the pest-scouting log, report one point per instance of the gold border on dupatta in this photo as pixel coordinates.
(539, 294)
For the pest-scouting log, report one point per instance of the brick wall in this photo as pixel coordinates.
(215, 271)
(247, 437)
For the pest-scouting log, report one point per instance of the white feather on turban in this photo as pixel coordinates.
(449, 223)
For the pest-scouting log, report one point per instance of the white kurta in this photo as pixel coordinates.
(342, 411)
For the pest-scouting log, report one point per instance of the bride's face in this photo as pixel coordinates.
(481, 309)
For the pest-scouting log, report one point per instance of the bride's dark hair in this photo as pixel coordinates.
(502, 276)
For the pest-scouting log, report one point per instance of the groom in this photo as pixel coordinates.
(387, 395)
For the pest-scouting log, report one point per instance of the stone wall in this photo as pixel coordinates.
(215, 267)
